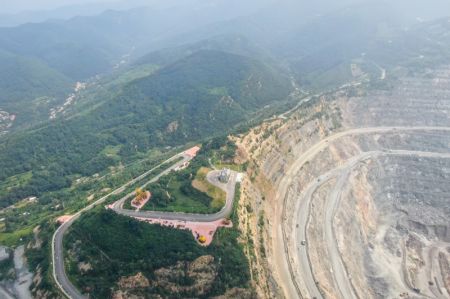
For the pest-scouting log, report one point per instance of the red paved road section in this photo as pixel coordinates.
(206, 229)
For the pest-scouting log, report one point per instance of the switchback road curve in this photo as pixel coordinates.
(212, 176)
(59, 274)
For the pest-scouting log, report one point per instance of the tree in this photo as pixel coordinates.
(140, 195)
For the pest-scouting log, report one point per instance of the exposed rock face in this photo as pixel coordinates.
(133, 287)
(194, 278)
(132, 282)
(84, 267)
(270, 149)
(201, 273)
(36, 243)
(379, 222)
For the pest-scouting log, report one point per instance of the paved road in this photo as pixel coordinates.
(212, 176)
(57, 243)
(283, 262)
(59, 273)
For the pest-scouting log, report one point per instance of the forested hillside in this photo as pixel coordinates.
(231, 43)
(28, 86)
(198, 96)
(66, 51)
(86, 46)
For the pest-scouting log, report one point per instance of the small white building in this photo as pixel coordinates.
(239, 177)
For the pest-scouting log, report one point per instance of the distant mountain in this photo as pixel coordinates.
(318, 41)
(232, 43)
(28, 87)
(198, 96)
(65, 11)
(86, 46)
(421, 46)
(34, 12)
(61, 13)
(67, 51)
(76, 48)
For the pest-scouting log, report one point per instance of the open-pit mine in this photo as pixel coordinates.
(349, 195)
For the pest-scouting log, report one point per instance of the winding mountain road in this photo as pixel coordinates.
(212, 176)
(59, 274)
(300, 282)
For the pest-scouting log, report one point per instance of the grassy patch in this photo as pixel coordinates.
(201, 183)
(188, 190)
(111, 151)
(16, 181)
(180, 201)
(136, 73)
(22, 204)
(13, 238)
(175, 192)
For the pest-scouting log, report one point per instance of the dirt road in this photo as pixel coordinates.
(283, 259)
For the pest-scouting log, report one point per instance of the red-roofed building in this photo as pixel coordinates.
(63, 219)
(192, 152)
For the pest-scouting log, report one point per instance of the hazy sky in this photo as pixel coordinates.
(12, 6)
